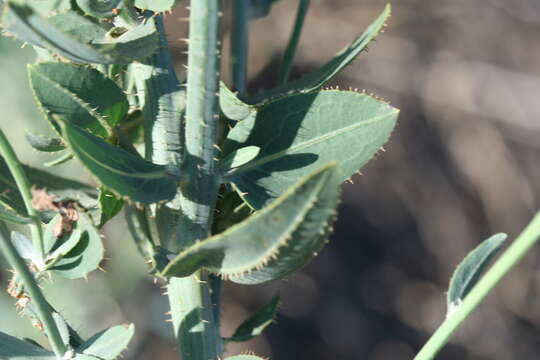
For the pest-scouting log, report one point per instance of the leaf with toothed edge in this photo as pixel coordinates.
(300, 133)
(80, 95)
(77, 38)
(318, 78)
(118, 170)
(109, 343)
(274, 241)
(470, 270)
(255, 325)
(75, 254)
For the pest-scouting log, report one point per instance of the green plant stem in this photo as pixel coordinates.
(43, 309)
(240, 45)
(502, 266)
(17, 171)
(192, 314)
(290, 52)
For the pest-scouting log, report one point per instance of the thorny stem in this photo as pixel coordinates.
(502, 266)
(192, 314)
(43, 309)
(290, 52)
(17, 171)
(240, 45)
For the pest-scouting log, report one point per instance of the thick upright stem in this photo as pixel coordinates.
(239, 45)
(193, 318)
(17, 171)
(43, 309)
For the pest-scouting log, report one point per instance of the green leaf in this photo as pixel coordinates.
(23, 245)
(156, 5)
(63, 327)
(239, 157)
(79, 39)
(64, 158)
(300, 133)
(76, 254)
(245, 357)
(470, 270)
(232, 107)
(255, 325)
(12, 348)
(260, 8)
(99, 8)
(118, 170)
(273, 242)
(108, 344)
(63, 189)
(6, 214)
(44, 143)
(80, 95)
(110, 205)
(318, 78)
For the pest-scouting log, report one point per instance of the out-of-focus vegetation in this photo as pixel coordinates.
(463, 164)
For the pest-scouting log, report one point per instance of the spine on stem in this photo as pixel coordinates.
(192, 313)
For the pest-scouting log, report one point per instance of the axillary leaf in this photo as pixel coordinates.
(273, 242)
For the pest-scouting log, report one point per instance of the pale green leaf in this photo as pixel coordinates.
(110, 343)
(239, 157)
(301, 133)
(8, 215)
(245, 357)
(232, 107)
(274, 241)
(470, 270)
(44, 143)
(156, 5)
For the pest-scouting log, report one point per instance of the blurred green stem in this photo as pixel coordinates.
(502, 266)
(17, 171)
(240, 45)
(290, 52)
(43, 309)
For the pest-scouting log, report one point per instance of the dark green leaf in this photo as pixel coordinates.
(301, 133)
(317, 79)
(12, 348)
(273, 242)
(470, 269)
(255, 325)
(80, 95)
(110, 205)
(118, 170)
(6, 214)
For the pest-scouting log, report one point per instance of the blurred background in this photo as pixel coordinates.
(463, 164)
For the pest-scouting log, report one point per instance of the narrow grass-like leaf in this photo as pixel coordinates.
(255, 325)
(80, 95)
(64, 158)
(318, 78)
(470, 270)
(44, 143)
(118, 170)
(239, 157)
(301, 133)
(232, 107)
(75, 254)
(108, 344)
(273, 242)
(12, 348)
